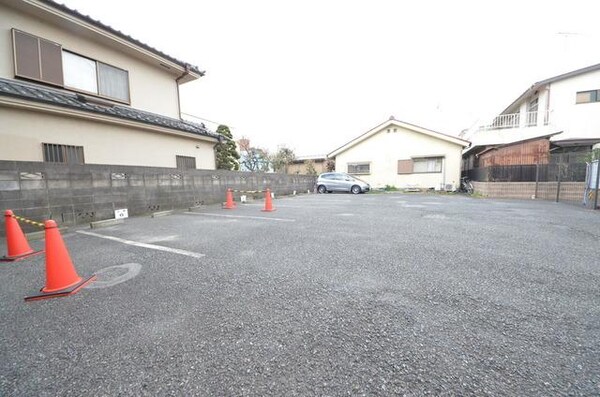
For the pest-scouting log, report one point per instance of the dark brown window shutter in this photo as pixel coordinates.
(405, 166)
(51, 56)
(37, 59)
(27, 55)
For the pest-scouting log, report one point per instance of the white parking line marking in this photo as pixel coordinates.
(435, 216)
(276, 205)
(144, 245)
(262, 218)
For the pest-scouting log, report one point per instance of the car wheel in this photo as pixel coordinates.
(355, 189)
(322, 189)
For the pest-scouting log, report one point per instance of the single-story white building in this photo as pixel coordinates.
(403, 155)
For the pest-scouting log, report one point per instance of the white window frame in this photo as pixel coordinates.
(432, 164)
(96, 89)
(594, 96)
(358, 164)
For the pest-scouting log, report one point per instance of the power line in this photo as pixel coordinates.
(207, 120)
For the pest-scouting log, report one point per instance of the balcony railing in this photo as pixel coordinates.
(513, 120)
(531, 119)
(505, 121)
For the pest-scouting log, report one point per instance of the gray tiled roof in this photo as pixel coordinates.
(38, 93)
(118, 33)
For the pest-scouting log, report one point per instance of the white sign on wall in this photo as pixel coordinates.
(121, 214)
(592, 172)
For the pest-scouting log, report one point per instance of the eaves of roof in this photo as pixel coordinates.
(480, 149)
(76, 14)
(41, 94)
(401, 124)
(575, 142)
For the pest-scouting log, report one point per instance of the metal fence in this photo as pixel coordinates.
(565, 167)
(560, 168)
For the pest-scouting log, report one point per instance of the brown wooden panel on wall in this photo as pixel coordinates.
(531, 152)
(27, 55)
(405, 166)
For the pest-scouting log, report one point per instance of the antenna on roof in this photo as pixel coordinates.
(566, 34)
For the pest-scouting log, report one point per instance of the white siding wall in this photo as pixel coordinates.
(102, 143)
(152, 89)
(384, 149)
(542, 96)
(577, 120)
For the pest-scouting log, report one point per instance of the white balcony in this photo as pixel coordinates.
(514, 127)
(518, 120)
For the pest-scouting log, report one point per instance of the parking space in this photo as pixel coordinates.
(331, 294)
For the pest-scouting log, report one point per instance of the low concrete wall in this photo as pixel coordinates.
(569, 191)
(79, 194)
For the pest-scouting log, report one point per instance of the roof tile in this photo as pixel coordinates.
(37, 93)
(118, 33)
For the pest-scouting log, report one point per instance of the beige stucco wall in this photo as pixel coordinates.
(151, 88)
(384, 149)
(24, 131)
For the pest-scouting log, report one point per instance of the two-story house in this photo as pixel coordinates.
(73, 90)
(559, 114)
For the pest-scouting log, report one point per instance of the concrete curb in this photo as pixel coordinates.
(162, 213)
(105, 223)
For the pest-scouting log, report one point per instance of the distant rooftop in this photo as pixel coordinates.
(311, 157)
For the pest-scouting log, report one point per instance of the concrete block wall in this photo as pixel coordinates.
(79, 194)
(569, 191)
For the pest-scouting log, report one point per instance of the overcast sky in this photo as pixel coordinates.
(314, 74)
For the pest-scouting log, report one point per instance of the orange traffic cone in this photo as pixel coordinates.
(229, 204)
(61, 276)
(17, 245)
(268, 202)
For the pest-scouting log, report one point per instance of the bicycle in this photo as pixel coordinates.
(466, 186)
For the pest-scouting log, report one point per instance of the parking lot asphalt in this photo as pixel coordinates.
(335, 294)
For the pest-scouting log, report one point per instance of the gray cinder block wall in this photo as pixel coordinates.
(78, 194)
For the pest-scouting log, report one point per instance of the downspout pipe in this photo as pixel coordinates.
(443, 187)
(186, 72)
